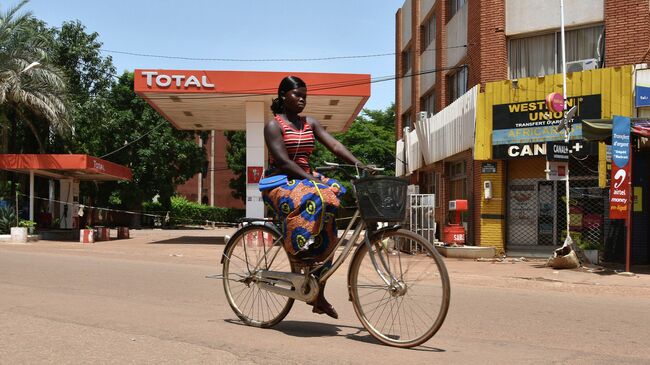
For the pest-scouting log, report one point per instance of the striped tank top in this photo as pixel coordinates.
(299, 143)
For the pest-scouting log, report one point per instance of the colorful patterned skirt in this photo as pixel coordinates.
(309, 229)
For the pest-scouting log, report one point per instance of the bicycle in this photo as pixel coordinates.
(397, 281)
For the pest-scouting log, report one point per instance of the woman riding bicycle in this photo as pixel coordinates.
(307, 201)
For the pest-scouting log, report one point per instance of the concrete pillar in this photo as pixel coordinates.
(254, 155)
(212, 136)
(51, 196)
(200, 179)
(69, 198)
(31, 195)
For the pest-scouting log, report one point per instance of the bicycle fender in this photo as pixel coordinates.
(356, 251)
(234, 237)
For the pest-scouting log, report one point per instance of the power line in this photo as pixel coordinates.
(137, 139)
(312, 87)
(308, 59)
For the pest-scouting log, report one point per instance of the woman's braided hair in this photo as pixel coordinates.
(287, 83)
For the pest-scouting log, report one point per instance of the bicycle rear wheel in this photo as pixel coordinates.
(250, 250)
(409, 309)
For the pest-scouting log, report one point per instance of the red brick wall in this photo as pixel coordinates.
(493, 59)
(627, 32)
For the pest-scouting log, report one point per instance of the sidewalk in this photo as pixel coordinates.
(204, 247)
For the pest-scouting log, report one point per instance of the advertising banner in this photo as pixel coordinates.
(533, 122)
(642, 90)
(619, 186)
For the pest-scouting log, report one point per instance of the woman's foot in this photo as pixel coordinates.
(323, 307)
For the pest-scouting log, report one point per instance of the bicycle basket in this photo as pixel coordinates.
(381, 198)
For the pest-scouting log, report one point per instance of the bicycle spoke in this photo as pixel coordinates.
(411, 309)
(255, 248)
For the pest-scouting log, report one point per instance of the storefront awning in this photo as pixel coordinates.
(601, 129)
(62, 166)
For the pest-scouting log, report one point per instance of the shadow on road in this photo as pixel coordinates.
(317, 329)
(191, 240)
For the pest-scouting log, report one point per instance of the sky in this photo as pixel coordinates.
(240, 29)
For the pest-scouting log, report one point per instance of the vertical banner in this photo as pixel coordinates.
(619, 187)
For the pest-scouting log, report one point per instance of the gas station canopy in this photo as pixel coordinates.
(216, 100)
(62, 166)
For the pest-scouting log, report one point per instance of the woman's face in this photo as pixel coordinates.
(295, 100)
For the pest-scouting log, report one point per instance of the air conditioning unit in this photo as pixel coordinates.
(412, 189)
(581, 65)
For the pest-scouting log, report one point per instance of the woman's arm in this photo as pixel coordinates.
(275, 144)
(331, 143)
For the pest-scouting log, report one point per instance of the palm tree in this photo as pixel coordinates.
(29, 85)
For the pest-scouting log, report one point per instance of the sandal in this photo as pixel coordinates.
(325, 308)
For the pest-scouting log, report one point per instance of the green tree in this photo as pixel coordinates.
(236, 161)
(31, 87)
(160, 156)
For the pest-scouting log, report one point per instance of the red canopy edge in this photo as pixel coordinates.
(82, 167)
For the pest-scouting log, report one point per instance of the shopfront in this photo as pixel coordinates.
(527, 206)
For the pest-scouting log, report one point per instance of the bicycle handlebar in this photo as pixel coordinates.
(332, 166)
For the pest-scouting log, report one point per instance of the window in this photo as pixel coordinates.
(429, 34)
(542, 55)
(458, 84)
(454, 6)
(457, 172)
(406, 62)
(428, 105)
(430, 182)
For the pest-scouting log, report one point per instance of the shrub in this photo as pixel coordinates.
(7, 219)
(184, 212)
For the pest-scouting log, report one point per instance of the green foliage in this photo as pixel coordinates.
(7, 219)
(184, 212)
(236, 161)
(590, 244)
(32, 89)
(27, 223)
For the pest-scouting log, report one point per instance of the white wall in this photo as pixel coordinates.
(407, 83)
(526, 16)
(451, 130)
(427, 62)
(426, 6)
(406, 23)
(457, 36)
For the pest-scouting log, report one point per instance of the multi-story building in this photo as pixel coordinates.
(472, 80)
(211, 185)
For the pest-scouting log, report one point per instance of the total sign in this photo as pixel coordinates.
(179, 81)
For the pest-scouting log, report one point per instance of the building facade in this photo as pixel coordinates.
(212, 185)
(471, 116)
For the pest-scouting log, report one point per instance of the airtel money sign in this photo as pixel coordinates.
(178, 81)
(619, 189)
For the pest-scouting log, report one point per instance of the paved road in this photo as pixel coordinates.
(147, 301)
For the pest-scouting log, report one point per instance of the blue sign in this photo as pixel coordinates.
(620, 140)
(642, 96)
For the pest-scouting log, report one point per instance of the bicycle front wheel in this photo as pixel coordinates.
(399, 288)
(250, 250)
